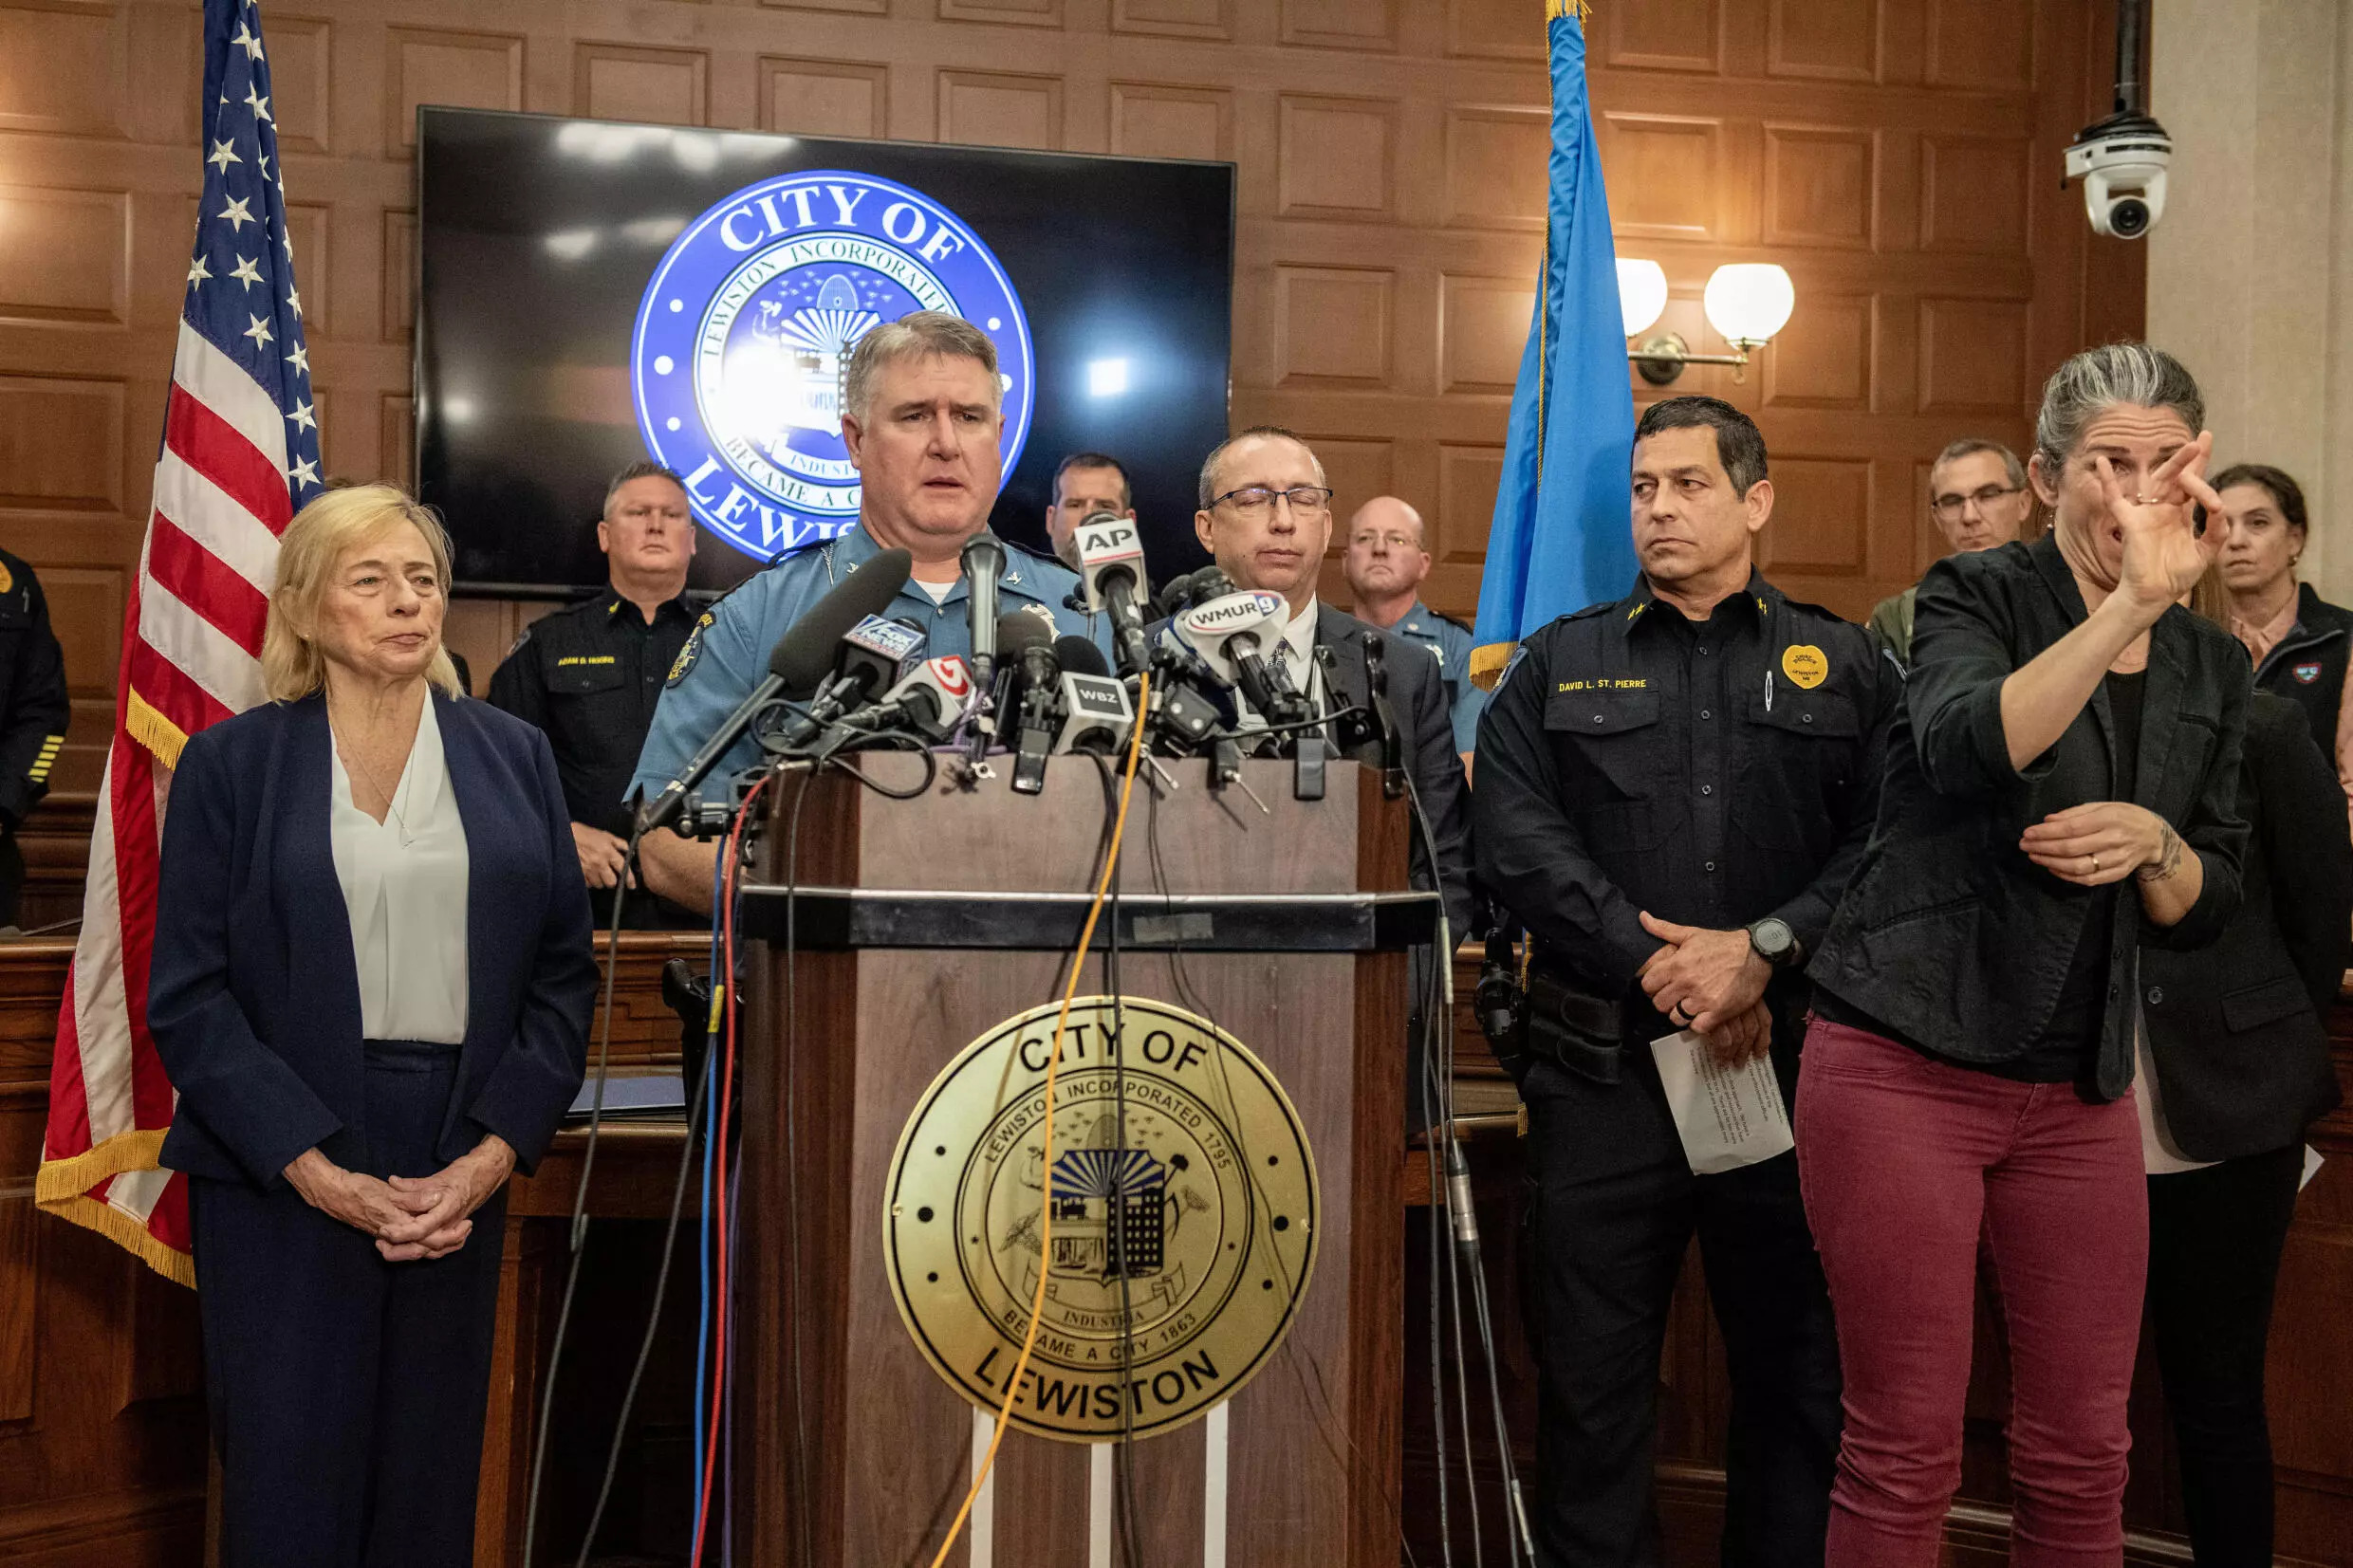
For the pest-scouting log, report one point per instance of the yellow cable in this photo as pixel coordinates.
(1053, 1063)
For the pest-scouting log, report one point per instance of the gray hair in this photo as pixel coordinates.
(1209, 464)
(917, 335)
(2099, 379)
(1969, 446)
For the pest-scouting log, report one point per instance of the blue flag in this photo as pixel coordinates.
(1562, 535)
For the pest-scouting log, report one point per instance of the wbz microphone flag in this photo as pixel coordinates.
(240, 453)
(1563, 534)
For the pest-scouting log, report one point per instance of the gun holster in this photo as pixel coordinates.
(1575, 1030)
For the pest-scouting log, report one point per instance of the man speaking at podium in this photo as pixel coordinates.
(922, 414)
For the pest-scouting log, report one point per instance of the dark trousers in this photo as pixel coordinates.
(1612, 1209)
(2214, 1242)
(347, 1393)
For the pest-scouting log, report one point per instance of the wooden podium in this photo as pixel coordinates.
(920, 925)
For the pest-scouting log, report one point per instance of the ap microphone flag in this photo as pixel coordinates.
(1563, 533)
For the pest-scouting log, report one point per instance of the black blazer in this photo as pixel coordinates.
(1424, 716)
(2234, 1029)
(253, 997)
(1949, 934)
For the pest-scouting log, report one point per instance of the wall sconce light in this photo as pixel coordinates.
(1748, 302)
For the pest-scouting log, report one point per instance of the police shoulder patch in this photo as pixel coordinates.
(690, 650)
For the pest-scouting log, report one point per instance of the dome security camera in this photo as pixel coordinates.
(2121, 161)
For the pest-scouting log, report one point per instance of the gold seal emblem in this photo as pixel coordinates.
(1179, 1252)
(7, 578)
(1804, 664)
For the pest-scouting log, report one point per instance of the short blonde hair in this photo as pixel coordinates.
(293, 666)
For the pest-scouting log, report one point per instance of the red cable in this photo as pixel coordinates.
(718, 1154)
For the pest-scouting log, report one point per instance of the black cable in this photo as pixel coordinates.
(577, 1237)
(653, 1317)
(801, 1502)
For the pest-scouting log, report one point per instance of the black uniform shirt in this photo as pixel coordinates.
(590, 676)
(1712, 773)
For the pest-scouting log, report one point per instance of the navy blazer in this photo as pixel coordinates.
(253, 996)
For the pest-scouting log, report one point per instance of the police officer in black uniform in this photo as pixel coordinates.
(590, 675)
(33, 710)
(1672, 792)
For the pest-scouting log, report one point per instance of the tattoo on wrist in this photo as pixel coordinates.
(2168, 859)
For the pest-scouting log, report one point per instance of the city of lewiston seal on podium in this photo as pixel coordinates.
(1179, 1252)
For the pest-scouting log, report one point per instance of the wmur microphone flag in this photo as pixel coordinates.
(1563, 536)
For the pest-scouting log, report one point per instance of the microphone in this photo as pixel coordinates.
(796, 666)
(1096, 709)
(871, 654)
(1111, 560)
(1227, 632)
(928, 699)
(1191, 589)
(983, 562)
(1031, 668)
(1031, 671)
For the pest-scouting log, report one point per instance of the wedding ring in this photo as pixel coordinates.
(2095, 865)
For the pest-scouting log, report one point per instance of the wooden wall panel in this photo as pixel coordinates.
(824, 97)
(655, 86)
(63, 70)
(1151, 120)
(1336, 158)
(1000, 109)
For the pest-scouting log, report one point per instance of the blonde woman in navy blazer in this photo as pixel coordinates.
(371, 988)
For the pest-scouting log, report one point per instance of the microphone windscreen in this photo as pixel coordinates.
(805, 656)
(1018, 630)
(1079, 656)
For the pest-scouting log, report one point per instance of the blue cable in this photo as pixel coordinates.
(702, 1224)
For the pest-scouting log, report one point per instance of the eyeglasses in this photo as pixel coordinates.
(1949, 507)
(1257, 500)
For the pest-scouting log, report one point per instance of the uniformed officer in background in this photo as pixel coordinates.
(591, 674)
(1388, 557)
(1085, 483)
(922, 413)
(1672, 792)
(33, 710)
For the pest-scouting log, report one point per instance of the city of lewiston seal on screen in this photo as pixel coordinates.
(1178, 1254)
(746, 327)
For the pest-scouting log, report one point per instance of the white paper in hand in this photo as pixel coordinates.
(1728, 1116)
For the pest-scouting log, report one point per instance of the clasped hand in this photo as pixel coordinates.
(410, 1217)
(1711, 982)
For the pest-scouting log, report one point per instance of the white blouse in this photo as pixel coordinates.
(405, 886)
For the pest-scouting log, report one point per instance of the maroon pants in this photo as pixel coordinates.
(1904, 1160)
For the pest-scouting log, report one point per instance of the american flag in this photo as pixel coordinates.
(240, 453)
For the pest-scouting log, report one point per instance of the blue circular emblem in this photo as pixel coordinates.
(746, 329)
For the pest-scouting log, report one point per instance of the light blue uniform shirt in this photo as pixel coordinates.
(1450, 640)
(728, 654)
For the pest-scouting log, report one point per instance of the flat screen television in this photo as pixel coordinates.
(592, 293)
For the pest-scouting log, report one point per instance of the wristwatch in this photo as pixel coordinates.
(1773, 941)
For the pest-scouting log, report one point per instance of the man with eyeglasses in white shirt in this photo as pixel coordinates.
(1978, 499)
(1267, 518)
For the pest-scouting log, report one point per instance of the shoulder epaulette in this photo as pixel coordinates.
(1452, 621)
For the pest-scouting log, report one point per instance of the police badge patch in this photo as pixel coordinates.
(746, 329)
(689, 650)
(2308, 673)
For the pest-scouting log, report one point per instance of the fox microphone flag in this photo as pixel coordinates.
(240, 453)
(1562, 537)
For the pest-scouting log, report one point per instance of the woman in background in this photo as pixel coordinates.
(2059, 790)
(2300, 642)
(371, 988)
(2234, 1067)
